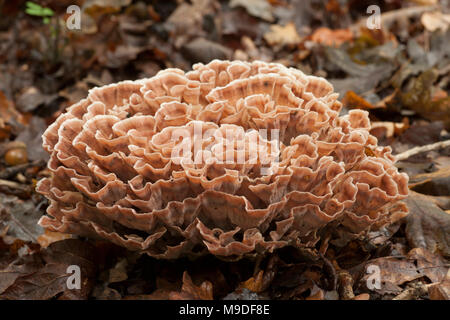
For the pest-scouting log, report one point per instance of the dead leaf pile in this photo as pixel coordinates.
(400, 74)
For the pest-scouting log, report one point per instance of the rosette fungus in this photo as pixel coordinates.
(141, 163)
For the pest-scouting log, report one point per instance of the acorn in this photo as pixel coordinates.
(16, 156)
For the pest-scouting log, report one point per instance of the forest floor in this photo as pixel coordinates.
(400, 73)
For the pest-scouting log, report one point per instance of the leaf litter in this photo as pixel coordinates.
(400, 74)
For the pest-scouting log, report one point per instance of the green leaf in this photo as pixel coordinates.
(32, 5)
(34, 12)
(48, 12)
(34, 9)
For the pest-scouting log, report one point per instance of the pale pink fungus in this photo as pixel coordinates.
(114, 175)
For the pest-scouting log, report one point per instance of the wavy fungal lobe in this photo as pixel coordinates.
(125, 167)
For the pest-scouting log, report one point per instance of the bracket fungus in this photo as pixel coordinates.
(142, 163)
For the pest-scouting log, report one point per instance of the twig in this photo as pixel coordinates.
(10, 171)
(15, 188)
(389, 17)
(417, 150)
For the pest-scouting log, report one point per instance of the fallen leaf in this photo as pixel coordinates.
(8, 113)
(436, 183)
(422, 133)
(332, 38)
(16, 269)
(255, 283)
(427, 226)
(202, 50)
(187, 20)
(442, 202)
(394, 272)
(44, 276)
(257, 8)
(238, 22)
(361, 78)
(435, 20)
(97, 7)
(107, 293)
(333, 6)
(431, 265)
(49, 237)
(441, 290)
(419, 97)
(120, 55)
(31, 98)
(189, 291)
(282, 35)
(31, 135)
(316, 294)
(19, 218)
(362, 296)
(382, 235)
(119, 272)
(354, 101)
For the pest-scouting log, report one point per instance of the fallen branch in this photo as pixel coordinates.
(417, 150)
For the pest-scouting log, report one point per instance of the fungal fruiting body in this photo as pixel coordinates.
(231, 158)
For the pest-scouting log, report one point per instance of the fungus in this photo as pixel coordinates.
(231, 158)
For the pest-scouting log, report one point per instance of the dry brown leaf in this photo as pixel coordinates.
(427, 226)
(441, 290)
(44, 276)
(187, 19)
(119, 272)
(19, 218)
(330, 37)
(98, 7)
(316, 294)
(436, 20)
(431, 265)
(203, 50)
(354, 101)
(49, 237)
(282, 35)
(7, 111)
(424, 98)
(362, 296)
(394, 272)
(189, 291)
(435, 183)
(256, 8)
(442, 202)
(255, 283)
